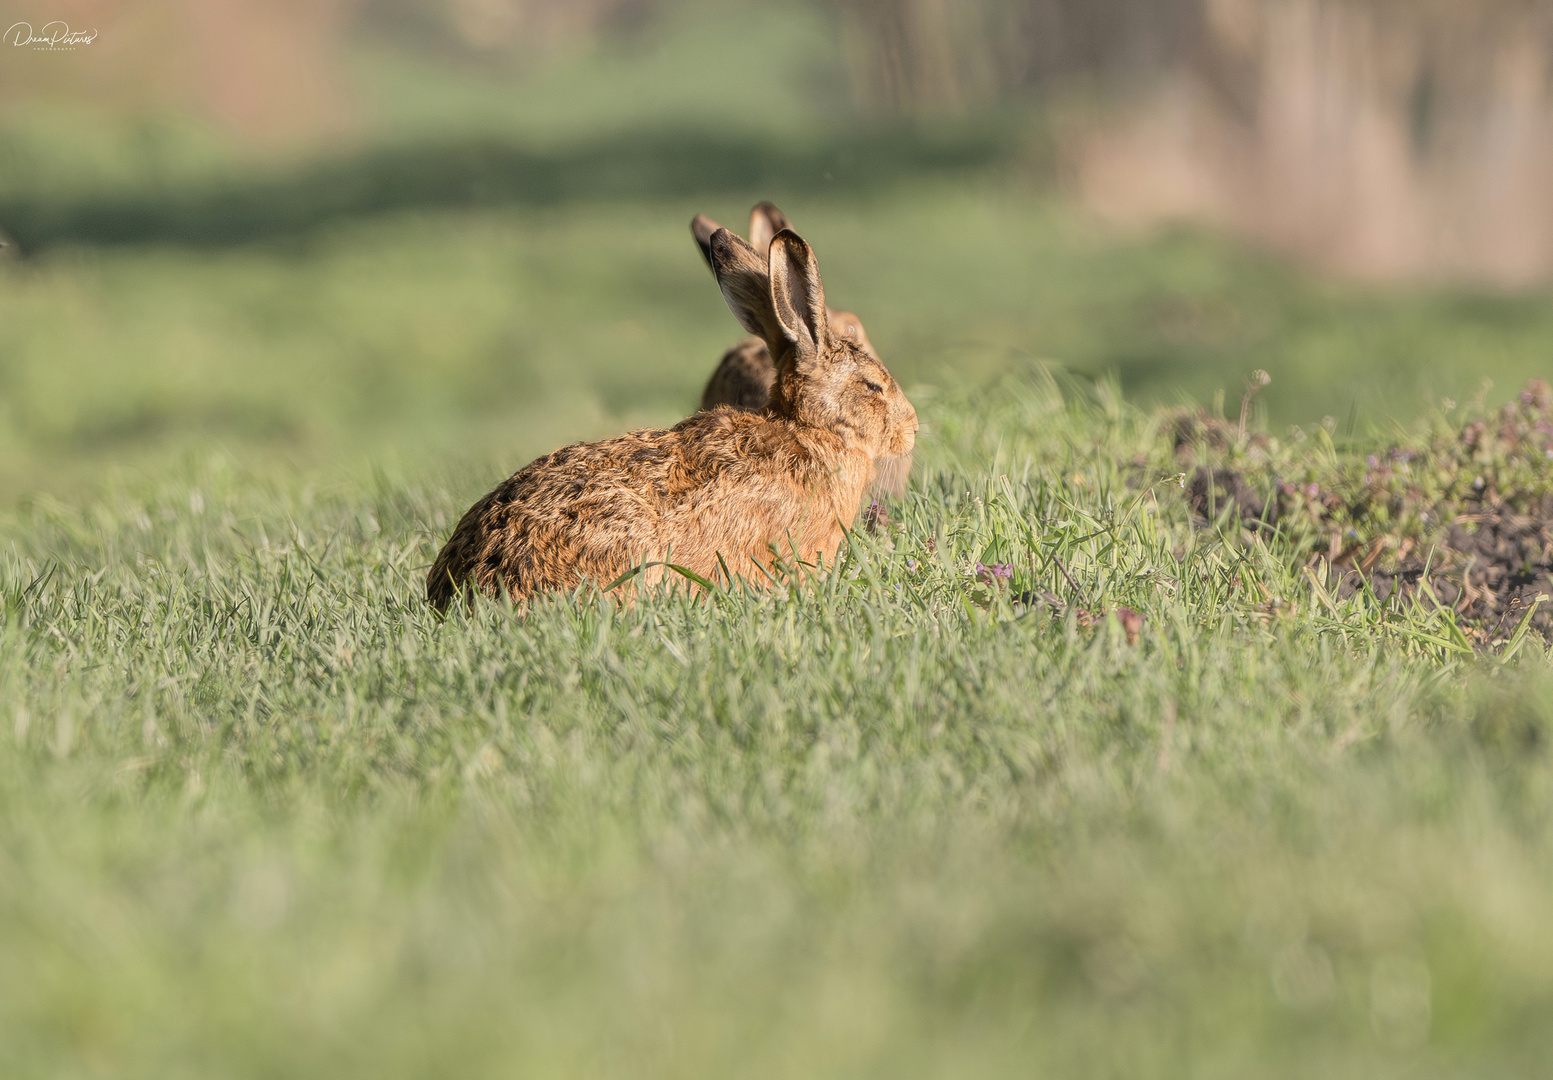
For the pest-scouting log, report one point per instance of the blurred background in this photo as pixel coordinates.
(402, 231)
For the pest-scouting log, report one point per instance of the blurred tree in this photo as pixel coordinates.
(932, 55)
(1384, 137)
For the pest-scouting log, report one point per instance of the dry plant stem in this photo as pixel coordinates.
(1078, 593)
(1254, 385)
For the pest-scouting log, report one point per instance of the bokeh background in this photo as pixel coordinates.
(394, 233)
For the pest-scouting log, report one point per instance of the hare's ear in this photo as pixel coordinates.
(702, 228)
(746, 286)
(797, 297)
(765, 222)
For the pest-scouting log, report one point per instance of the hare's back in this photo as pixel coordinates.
(721, 453)
(742, 378)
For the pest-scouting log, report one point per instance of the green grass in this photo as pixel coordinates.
(265, 815)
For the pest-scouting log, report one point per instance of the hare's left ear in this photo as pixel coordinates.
(797, 296)
(742, 276)
(765, 222)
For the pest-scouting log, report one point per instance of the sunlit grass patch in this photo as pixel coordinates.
(264, 809)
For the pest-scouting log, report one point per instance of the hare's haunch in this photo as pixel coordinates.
(724, 492)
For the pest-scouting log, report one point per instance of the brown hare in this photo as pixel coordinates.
(724, 493)
(744, 375)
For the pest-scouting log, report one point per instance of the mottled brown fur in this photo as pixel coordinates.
(744, 375)
(742, 378)
(725, 487)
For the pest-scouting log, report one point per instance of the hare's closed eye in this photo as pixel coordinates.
(875, 387)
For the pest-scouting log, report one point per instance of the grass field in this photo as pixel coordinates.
(262, 814)
(266, 816)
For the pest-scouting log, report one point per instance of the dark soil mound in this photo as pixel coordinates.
(1456, 516)
(1213, 491)
(1490, 568)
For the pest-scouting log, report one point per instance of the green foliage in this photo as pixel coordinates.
(265, 814)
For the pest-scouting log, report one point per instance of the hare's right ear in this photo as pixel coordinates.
(797, 297)
(742, 275)
(765, 222)
(702, 228)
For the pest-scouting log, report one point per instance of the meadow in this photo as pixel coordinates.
(262, 813)
(266, 815)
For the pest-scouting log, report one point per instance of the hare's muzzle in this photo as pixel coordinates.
(906, 431)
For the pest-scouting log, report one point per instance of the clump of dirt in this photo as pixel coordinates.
(1130, 621)
(1491, 568)
(876, 517)
(1212, 492)
(1462, 518)
(1193, 428)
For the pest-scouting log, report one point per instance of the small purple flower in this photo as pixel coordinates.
(990, 573)
(1372, 461)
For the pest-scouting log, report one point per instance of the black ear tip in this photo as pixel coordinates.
(768, 210)
(719, 248)
(788, 236)
(702, 228)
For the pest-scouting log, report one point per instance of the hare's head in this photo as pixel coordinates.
(824, 379)
(765, 222)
